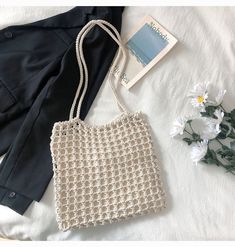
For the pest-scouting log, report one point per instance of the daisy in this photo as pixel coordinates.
(178, 126)
(213, 125)
(199, 96)
(210, 133)
(220, 115)
(199, 151)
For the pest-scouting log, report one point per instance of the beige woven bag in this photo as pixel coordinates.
(107, 173)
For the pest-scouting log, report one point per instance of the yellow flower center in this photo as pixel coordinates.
(200, 99)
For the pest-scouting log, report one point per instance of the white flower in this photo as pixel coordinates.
(199, 96)
(178, 126)
(213, 125)
(220, 115)
(199, 150)
(219, 98)
(199, 89)
(210, 133)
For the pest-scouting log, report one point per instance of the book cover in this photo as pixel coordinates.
(147, 44)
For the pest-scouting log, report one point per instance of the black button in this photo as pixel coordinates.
(8, 34)
(12, 194)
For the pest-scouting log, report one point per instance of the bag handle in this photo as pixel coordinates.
(106, 26)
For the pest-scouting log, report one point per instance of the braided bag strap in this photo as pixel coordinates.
(106, 26)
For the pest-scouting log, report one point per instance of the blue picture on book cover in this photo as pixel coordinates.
(146, 44)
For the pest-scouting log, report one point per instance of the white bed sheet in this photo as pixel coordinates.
(200, 199)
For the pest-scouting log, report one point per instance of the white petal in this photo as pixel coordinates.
(199, 150)
(219, 114)
(219, 98)
(211, 132)
(178, 126)
(213, 122)
(198, 89)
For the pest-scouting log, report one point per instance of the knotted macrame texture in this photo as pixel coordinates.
(104, 174)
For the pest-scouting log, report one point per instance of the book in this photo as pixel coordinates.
(146, 45)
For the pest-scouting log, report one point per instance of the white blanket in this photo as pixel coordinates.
(200, 198)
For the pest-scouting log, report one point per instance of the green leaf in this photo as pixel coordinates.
(232, 134)
(221, 135)
(226, 152)
(232, 145)
(204, 161)
(211, 161)
(210, 155)
(225, 147)
(224, 128)
(209, 111)
(213, 155)
(230, 169)
(204, 114)
(196, 137)
(232, 114)
(233, 163)
(188, 140)
(224, 131)
(227, 114)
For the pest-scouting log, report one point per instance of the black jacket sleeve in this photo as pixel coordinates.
(38, 80)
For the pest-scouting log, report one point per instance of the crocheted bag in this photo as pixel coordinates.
(107, 173)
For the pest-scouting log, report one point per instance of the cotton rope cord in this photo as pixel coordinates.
(83, 68)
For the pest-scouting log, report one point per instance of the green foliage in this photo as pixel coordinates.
(210, 157)
(231, 134)
(232, 117)
(196, 137)
(188, 140)
(225, 155)
(224, 131)
(209, 111)
(232, 145)
(226, 152)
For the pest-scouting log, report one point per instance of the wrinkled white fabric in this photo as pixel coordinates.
(200, 198)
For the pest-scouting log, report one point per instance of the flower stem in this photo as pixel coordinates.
(224, 166)
(219, 163)
(219, 141)
(187, 132)
(222, 107)
(191, 127)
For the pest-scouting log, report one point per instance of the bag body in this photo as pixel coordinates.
(104, 174)
(107, 173)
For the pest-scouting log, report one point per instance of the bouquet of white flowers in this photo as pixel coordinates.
(215, 142)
